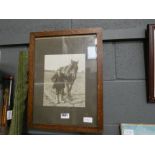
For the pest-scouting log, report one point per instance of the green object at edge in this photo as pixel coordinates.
(20, 96)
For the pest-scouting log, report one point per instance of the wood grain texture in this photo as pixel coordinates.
(67, 128)
(151, 97)
(31, 79)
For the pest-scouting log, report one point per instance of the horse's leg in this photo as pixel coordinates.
(62, 95)
(67, 89)
(71, 86)
(58, 101)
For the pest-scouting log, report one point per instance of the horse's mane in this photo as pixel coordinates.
(67, 69)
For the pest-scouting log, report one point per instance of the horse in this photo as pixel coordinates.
(70, 73)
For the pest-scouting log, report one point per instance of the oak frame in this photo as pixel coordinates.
(67, 128)
(151, 54)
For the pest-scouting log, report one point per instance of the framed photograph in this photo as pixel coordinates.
(65, 81)
(151, 63)
(137, 129)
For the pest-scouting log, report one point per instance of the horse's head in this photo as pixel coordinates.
(74, 65)
(74, 68)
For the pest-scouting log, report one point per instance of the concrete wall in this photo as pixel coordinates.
(124, 64)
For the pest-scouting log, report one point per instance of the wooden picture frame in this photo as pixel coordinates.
(77, 104)
(137, 129)
(151, 63)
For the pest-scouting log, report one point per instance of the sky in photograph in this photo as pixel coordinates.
(53, 62)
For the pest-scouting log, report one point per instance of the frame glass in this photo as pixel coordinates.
(151, 63)
(137, 129)
(65, 80)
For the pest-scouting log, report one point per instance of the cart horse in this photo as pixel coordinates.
(69, 73)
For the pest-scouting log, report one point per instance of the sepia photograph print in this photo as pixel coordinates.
(64, 80)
